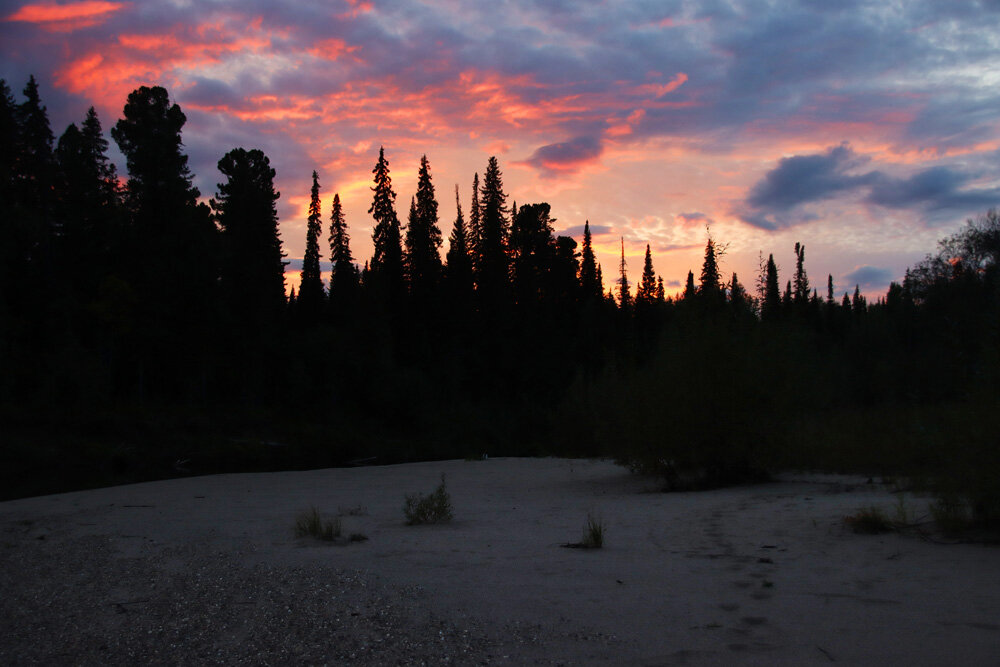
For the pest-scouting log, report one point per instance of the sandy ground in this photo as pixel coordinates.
(207, 569)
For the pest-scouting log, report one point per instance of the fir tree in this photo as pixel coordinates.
(311, 293)
(343, 275)
(800, 290)
(423, 237)
(661, 294)
(459, 269)
(771, 306)
(646, 292)
(829, 289)
(689, 290)
(492, 268)
(252, 271)
(737, 295)
(34, 160)
(588, 266)
(624, 298)
(787, 298)
(600, 280)
(475, 225)
(89, 206)
(386, 267)
(710, 287)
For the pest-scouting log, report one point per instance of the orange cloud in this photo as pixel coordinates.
(64, 18)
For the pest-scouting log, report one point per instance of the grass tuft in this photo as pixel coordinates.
(432, 508)
(311, 524)
(593, 533)
(869, 521)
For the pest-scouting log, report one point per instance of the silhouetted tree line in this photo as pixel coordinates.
(135, 303)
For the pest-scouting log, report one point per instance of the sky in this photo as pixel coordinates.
(865, 130)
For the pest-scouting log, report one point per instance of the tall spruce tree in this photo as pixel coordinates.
(475, 225)
(771, 305)
(588, 267)
(311, 293)
(492, 276)
(689, 290)
(829, 290)
(252, 271)
(386, 266)
(710, 286)
(343, 275)
(645, 294)
(624, 298)
(800, 288)
(34, 159)
(423, 238)
(458, 272)
(661, 293)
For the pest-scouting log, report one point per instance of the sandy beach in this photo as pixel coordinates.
(208, 570)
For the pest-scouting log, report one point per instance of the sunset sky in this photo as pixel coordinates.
(865, 130)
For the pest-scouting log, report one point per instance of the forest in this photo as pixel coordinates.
(146, 334)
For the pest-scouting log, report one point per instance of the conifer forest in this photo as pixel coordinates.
(145, 333)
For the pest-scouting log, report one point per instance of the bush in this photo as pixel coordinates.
(310, 524)
(432, 508)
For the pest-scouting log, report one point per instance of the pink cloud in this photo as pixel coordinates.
(66, 17)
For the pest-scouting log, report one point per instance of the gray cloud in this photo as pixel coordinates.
(567, 156)
(595, 230)
(776, 200)
(869, 277)
(807, 178)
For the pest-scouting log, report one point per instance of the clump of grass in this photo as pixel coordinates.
(311, 524)
(431, 508)
(869, 521)
(593, 533)
(951, 514)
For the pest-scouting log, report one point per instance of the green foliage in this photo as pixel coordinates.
(434, 507)
(310, 524)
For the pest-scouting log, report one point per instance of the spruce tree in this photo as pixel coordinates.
(588, 266)
(771, 305)
(661, 294)
(624, 299)
(800, 289)
(252, 271)
(386, 266)
(829, 289)
(311, 292)
(493, 266)
(458, 272)
(343, 275)
(646, 292)
(737, 295)
(689, 290)
(34, 160)
(89, 208)
(423, 238)
(8, 144)
(710, 287)
(475, 225)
